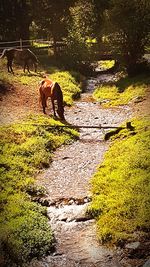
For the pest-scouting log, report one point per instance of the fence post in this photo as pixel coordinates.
(20, 43)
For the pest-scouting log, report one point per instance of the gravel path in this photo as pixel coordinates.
(73, 165)
(67, 182)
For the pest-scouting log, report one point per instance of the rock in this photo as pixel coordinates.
(138, 99)
(133, 245)
(147, 263)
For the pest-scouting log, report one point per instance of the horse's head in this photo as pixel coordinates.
(60, 112)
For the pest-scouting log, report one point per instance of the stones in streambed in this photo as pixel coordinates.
(147, 263)
(61, 201)
(68, 213)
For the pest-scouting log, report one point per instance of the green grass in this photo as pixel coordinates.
(121, 186)
(26, 148)
(124, 91)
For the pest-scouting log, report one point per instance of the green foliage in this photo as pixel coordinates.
(26, 147)
(79, 31)
(128, 29)
(121, 201)
(125, 91)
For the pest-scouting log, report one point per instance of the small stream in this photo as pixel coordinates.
(67, 182)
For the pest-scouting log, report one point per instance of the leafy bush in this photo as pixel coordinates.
(121, 187)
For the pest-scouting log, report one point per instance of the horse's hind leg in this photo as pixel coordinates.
(9, 66)
(26, 65)
(44, 103)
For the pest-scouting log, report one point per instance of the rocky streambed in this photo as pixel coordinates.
(67, 182)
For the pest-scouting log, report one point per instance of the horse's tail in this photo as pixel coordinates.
(59, 96)
(3, 53)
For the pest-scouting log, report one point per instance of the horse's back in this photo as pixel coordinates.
(46, 87)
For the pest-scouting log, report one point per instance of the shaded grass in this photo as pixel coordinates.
(25, 149)
(121, 186)
(124, 91)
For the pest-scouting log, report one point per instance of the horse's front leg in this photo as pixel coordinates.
(53, 106)
(44, 110)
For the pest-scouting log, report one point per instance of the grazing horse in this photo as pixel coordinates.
(51, 89)
(25, 55)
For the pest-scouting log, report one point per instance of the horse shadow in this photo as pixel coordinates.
(5, 88)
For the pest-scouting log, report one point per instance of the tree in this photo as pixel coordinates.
(53, 18)
(80, 33)
(129, 22)
(99, 12)
(15, 18)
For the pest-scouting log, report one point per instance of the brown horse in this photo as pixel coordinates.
(25, 55)
(51, 89)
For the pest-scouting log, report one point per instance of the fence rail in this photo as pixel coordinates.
(20, 44)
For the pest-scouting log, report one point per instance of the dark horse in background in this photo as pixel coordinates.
(51, 89)
(25, 55)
